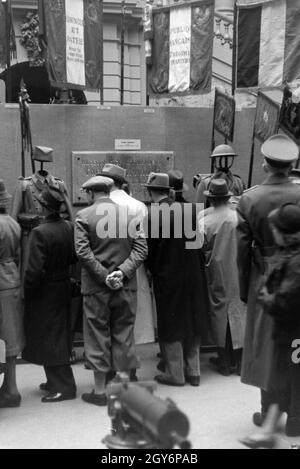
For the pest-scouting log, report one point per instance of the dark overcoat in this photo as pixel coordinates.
(178, 276)
(47, 293)
(255, 261)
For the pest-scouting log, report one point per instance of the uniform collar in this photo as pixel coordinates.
(39, 180)
(276, 179)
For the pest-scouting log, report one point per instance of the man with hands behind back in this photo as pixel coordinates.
(110, 245)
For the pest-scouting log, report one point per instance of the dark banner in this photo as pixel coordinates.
(266, 118)
(93, 44)
(289, 120)
(224, 115)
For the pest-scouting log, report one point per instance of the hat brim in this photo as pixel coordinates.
(151, 186)
(44, 204)
(118, 179)
(221, 196)
(5, 196)
(222, 156)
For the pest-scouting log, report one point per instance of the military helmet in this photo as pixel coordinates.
(223, 150)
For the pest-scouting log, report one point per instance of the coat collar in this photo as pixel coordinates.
(276, 179)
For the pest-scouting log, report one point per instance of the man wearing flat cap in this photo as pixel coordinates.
(48, 299)
(256, 249)
(110, 248)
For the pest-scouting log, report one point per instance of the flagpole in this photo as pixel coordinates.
(101, 53)
(122, 53)
(8, 61)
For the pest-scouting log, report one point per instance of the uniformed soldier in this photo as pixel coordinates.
(26, 197)
(255, 250)
(26, 206)
(223, 157)
(110, 254)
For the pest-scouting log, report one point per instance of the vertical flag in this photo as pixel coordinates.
(267, 43)
(182, 48)
(73, 36)
(6, 40)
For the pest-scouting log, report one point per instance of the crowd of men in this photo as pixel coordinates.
(229, 263)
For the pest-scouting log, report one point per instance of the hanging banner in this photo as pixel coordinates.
(182, 48)
(224, 115)
(267, 43)
(73, 32)
(289, 120)
(75, 42)
(266, 117)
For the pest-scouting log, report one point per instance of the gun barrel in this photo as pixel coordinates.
(161, 418)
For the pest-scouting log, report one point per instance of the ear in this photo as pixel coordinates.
(265, 166)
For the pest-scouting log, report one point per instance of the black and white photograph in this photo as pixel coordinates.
(149, 228)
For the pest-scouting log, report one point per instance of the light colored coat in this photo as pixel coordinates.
(218, 232)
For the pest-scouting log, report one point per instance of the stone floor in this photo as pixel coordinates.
(219, 410)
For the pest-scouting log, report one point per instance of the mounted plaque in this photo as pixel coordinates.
(139, 165)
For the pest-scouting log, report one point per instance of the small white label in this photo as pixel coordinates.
(128, 144)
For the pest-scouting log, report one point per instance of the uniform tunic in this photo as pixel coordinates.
(218, 229)
(255, 250)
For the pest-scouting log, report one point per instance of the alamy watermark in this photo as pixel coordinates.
(296, 353)
(163, 221)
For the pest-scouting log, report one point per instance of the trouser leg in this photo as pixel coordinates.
(123, 312)
(267, 399)
(97, 331)
(61, 379)
(174, 361)
(294, 402)
(192, 356)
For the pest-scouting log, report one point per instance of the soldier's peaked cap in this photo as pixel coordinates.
(281, 149)
(43, 154)
(98, 184)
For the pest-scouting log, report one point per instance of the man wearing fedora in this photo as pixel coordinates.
(227, 312)
(109, 261)
(222, 158)
(48, 299)
(179, 285)
(177, 185)
(11, 312)
(256, 249)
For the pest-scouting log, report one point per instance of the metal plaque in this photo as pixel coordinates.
(139, 165)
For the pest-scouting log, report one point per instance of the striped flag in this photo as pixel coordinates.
(72, 31)
(182, 48)
(267, 43)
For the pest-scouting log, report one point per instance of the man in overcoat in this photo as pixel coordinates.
(48, 299)
(110, 245)
(227, 311)
(256, 249)
(179, 282)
